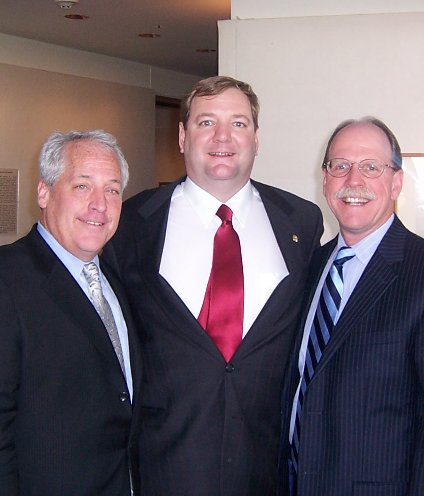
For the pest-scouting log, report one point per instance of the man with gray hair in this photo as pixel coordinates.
(355, 414)
(68, 357)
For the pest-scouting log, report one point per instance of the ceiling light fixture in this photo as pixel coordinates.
(149, 35)
(76, 17)
(66, 4)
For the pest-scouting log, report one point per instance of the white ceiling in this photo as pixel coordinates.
(114, 25)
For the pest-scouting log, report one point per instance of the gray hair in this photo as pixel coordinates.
(52, 163)
(394, 144)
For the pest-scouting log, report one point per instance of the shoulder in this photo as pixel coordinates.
(414, 248)
(26, 259)
(147, 202)
(16, 251)
(399, 243)
(302, 215)
(285, 199)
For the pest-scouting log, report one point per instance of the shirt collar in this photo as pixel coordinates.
(206, 205)
(366, 247)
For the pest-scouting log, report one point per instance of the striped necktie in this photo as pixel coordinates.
(322, 327)
(91, 273)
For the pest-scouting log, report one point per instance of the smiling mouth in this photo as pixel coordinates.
(355, 197)
(93, 223)
(221, 154)
(355, 201)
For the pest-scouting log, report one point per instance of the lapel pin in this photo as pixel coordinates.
(295, 238)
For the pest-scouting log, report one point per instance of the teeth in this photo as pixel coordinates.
(221, 154)
(92, 223)
(355, 201)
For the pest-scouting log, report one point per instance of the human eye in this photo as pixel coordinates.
(240, 124)
(81, 187)
(371, 166)
(114, 191)
(205, 123)
(114, 188)
(339, 165)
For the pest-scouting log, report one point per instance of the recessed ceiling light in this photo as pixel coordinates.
(149, 35)
(76, 17)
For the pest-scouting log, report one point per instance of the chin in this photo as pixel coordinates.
(93, 246)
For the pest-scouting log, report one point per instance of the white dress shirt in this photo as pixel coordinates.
(352, 272)
(75, 266)
(187, 254)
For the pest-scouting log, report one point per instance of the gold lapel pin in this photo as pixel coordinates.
(295, 238)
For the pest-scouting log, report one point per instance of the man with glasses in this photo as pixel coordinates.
(355, 413)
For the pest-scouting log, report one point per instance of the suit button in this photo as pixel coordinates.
(229, 367)
(123, 397)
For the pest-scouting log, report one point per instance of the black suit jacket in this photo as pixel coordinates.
(362, 431)
(210, 428)
(65, 414)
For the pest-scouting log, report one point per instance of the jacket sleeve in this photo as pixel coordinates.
(416, 487)
(10, 365)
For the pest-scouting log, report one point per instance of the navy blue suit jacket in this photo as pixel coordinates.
(362, 431)
(65, 413)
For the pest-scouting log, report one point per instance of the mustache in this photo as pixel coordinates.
(349, 192)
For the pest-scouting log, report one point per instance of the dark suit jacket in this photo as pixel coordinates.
(65, 414)
(362, 431)
(208, 428)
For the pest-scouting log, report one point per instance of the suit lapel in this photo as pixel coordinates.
(377, 278)
(154, 216)
(66, 294)
(280, 306)
(133, 342)
(286, 233)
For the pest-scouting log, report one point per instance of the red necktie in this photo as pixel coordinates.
(222, 311)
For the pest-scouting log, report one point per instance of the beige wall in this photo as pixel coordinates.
(33, 103)
(252, 9)
(311, 72)
(45, 87)
(54, 58)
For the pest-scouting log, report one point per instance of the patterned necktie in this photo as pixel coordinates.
(322, 326)
(222, 311)
(91, 273)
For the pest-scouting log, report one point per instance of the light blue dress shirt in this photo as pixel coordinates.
(352, 272)
(75, 266)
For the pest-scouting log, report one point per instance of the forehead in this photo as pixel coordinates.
(86, 153)
(232, 100)
(360, 139)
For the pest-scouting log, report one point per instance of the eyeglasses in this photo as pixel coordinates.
(371, 168)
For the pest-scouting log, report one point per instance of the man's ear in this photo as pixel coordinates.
(43, 192)
(257, 141)
(181, 137)
(397, 184)
(324, 180)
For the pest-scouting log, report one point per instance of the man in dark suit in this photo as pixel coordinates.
(357, 419)
(65, 390)
(211, 404)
